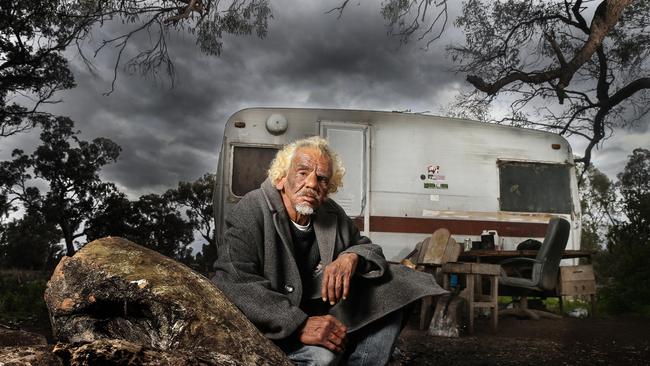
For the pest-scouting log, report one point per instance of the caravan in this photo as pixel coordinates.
(410, 174)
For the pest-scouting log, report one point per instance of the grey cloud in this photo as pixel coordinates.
(309, 59)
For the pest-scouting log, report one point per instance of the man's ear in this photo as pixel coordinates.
(280, 184)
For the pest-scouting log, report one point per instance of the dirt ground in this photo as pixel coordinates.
(566, 341)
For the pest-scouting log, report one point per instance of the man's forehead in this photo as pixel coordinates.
(310, 156)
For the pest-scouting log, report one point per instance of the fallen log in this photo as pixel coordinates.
(113, 289)
(120, 352)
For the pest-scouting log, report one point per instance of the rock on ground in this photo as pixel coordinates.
(115, 289)
(21, 348)
(17, 337)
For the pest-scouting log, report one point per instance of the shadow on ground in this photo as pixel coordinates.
(567, 341)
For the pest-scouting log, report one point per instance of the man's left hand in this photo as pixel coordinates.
(336, 278)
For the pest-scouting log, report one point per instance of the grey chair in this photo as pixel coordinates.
(535, 276)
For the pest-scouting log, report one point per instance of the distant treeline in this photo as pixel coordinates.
(53, 201)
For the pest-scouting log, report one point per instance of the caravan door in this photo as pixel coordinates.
(351, 142)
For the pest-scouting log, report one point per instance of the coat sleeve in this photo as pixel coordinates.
(239, 274)
(372, 261)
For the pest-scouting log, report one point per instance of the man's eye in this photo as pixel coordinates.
(323, 180)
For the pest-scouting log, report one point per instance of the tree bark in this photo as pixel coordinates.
(115, 289)
(67, 236)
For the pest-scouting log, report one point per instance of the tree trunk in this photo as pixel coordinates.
(69, 242)
(115, 289)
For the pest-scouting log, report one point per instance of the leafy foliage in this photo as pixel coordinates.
(21, 298)
(70, 169)
(33, 36)
(161, 227)
(35, 33)
(196, 198)
(157, 222)
(624, 263)
(30, 243)
(598, 206)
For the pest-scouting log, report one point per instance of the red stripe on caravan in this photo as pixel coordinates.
(418, 225)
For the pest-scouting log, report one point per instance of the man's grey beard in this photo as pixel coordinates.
(304, 209)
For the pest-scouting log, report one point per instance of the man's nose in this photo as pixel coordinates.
(311, 180)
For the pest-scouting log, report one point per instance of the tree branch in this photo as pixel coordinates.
(339, 9)
(192, 6)
(577, 13)
(601, 25)
(629, 90)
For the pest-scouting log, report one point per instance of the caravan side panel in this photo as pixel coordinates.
(417, 173)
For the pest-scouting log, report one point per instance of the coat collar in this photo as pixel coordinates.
(324, 220)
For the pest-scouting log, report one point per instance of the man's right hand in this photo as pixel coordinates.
(326, 331)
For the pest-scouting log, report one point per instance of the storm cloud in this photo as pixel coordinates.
(308, 59)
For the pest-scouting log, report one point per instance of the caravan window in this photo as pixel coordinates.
(534, 187)
(249, 166)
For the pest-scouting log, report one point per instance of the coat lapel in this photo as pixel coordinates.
(325, 230)
(280, 218)
(325, 223)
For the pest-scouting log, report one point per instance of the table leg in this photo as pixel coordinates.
(425, 311)
(470, 301)
(494, 296)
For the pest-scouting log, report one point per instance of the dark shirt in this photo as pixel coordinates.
(307, 258)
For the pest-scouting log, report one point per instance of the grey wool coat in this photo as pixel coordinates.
(257, 271)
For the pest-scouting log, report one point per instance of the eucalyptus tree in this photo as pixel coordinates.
(624, 263)
(60, 179)
(574, 67)
(564, 66)
(35, 33)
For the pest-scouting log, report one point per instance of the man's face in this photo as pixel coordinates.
(305, 187)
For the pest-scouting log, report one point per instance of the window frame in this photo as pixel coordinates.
(566, 165)
(231, 160)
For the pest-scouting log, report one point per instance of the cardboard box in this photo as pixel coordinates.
(577, 280)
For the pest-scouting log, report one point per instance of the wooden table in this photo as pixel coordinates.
(495, 256)
(585, 279)
(473, 292)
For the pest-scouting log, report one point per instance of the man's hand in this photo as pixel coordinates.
(326, 331)
(336, 277)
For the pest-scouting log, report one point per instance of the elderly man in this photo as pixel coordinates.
(296, 265)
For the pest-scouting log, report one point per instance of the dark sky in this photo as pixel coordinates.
(309, 59)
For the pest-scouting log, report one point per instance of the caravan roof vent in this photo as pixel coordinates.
(276, 124)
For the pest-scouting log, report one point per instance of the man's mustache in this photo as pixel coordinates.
(308, 192)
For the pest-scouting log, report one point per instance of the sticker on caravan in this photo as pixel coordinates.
(433, 179)
(436, 185)
(433, 169)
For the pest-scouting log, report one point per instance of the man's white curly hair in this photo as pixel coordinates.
(282, 161)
